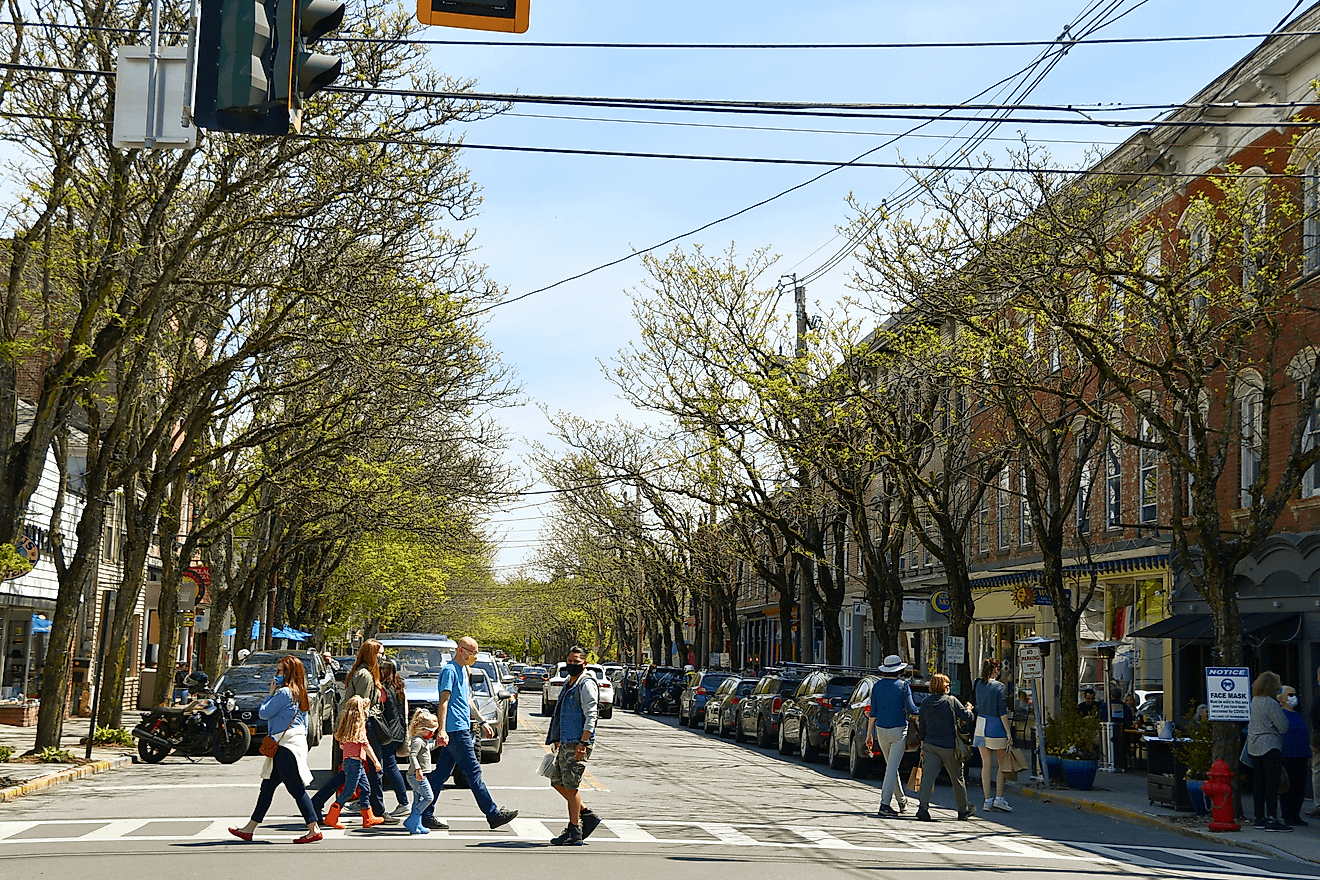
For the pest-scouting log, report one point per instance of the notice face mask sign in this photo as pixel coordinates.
(1228, 690)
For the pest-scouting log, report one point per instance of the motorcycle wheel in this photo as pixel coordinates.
(150, 752)
(236, 746)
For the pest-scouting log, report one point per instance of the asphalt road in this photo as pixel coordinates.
(673, 800)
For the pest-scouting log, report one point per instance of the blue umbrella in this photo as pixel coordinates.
(256, 629)
(40, 625)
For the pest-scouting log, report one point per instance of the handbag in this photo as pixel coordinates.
(1245, 758)
(547, 764)
(269, 746)
(913, 741)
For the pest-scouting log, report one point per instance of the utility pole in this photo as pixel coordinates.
(807, 611)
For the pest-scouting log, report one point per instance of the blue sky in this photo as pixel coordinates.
(546, 217)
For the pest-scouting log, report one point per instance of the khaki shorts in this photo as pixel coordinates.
(567, 770)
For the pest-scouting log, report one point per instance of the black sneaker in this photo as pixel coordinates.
(1259, 823)
(925, 816)
(502, 817)
(590, 822)
(886, 812)
(572, 836)
(435, 824)
(387, 819)
(967, 812)
(1276, 825)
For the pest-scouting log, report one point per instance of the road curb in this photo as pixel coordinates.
(1078, 803)
(78, 772)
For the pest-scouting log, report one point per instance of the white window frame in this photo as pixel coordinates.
(1148, 476)
(1250, 405)
(1084, 492)
(1310, 439)
(1002, 512)
(1113, 484)
(1024, 511)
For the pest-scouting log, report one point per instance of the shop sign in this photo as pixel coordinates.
(941, 602)
(1028, 596)
(955, 649)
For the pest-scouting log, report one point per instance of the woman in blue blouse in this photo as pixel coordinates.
(285, 713)
(1296, 758)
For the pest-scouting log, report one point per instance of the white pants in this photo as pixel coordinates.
(891, 741)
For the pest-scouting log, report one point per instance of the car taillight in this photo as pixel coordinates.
(822, 701)
(776, 703)
(701, 692)
(733, 701)
(605, 685)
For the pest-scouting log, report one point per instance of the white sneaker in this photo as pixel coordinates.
(902, 804)
(1002, 804)
(988, 805)
(401, 810)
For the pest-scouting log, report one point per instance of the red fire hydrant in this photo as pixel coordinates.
(1218, 789)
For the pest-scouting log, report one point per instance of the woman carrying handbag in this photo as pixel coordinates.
(285, 710)
(938, 719)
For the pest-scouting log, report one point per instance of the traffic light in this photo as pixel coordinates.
(298, 73)
(234, 52)
(509, 16)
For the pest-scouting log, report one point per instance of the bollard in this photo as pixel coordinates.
(1218, 789)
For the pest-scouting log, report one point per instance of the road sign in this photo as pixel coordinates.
(955, 649)
(1228, 693)
(1029, 652)
(1034, 668)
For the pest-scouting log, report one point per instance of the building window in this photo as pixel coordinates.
(1249, 407)
(1084, 491)
(925, 529)
(1148, 475)
(1056, 357)
(1311, 220)
(1191, 478)
(1310, 438)
(912, 552)
(1198, 245)
(1113, 485)
(1003, 510)
(1254, 241)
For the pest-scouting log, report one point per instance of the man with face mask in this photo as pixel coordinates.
(572, 734)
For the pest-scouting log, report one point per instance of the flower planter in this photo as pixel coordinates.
(1054, 764)
(1199, 801)
(1080, 775)
(19, 715)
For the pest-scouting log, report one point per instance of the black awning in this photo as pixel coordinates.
(1259, 628)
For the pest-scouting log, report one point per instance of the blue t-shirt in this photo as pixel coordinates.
(453, 678)
(891, 702)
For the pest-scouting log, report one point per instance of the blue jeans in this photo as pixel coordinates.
(389, 773)
(355, 776)
(327, 791)
(284, 772)
(459, 752)
(422, 797)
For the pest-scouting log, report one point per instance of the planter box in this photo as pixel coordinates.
(20, 716)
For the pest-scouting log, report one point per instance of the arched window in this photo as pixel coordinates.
(1113, 483)
(1311, 217)
(1254, 224)
(1024, 511)
(1301, 369)
(1147, 474)
(1084, 489)
(1250, 402)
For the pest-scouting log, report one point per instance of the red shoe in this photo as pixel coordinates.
(309, 837)
(241, 835)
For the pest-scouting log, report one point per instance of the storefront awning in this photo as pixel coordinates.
(1259, 628)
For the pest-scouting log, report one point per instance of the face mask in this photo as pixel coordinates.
(279, 681)
(573, 668)
(1292, 699)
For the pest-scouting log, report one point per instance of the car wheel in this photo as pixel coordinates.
(682, 720)
(859, 766)
(499, 753)
(785, 747)
(547, 709)
(313, 737)
(705, 725)
(513, 720)
(607, 712)
(836, 760)
(805, 748)
(738, 735)
(762, 735)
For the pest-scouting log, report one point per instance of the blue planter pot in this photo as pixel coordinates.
(1054, 764)
(1199, 801)
(1080, 774)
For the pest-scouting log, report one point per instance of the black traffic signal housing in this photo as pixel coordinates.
(297, 72)
(253, 65)
(509, 16)
(235, 45)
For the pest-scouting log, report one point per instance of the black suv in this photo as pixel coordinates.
(758, 713)
(805, 722)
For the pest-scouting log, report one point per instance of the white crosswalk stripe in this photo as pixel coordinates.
(969, 843)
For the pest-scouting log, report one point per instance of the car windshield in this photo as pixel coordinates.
(481, 685)
(247, 679)
(418, 661)
(840, 687)
(714, 680)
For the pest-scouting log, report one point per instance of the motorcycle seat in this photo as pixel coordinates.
(169, 710)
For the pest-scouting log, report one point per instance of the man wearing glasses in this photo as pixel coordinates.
(456, 712)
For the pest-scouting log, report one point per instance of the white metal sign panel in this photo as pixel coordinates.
(1228, 693)
(955, 649)
(165, 129)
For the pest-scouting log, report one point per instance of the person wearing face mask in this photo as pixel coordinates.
(572, 735)
(1296, 758)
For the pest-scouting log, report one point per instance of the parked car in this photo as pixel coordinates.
(692, 700)
(493, 711)
(506, 698)
(722, 706)
(758, 713)
(343, 666)
(804, 724)
(849, 728)
(531, 678)
(321, 689)
(553, 687)
(420, 657)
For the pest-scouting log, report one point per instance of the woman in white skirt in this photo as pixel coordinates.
(993, 734)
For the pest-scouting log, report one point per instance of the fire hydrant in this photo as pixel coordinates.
(1218, 789)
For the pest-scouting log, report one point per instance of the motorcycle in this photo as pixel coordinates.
(203, 725)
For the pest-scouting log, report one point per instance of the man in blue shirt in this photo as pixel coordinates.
(891, 705)
(456, 712)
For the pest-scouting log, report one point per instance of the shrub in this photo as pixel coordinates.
(1194, 747)
(112, 736)
(1072, 735)
(6, 752)
(53, 755)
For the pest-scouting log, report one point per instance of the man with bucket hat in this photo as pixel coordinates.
(891, 707)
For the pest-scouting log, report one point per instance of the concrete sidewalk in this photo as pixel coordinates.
(1123, 795)
(18, 779)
